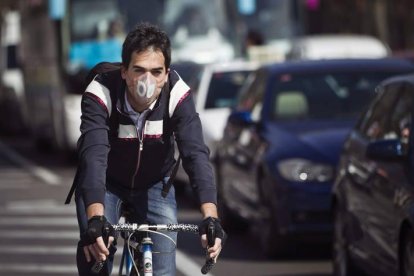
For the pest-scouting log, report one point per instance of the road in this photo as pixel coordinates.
(39, 232)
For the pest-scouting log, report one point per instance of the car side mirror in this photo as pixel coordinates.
(241, 118)
(387, 150)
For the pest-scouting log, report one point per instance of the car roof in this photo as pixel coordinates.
(234, 65)
(308, 66)
(340, 45)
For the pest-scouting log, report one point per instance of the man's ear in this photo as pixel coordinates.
(166, 76)
(123, 72)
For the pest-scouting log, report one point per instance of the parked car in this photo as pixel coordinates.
(189, 71)
(328, 46)
(215, 93)
(373, 194)
(276, 161)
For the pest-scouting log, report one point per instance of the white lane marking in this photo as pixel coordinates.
(38, 206)
(39, 234)
(14, 186)
(42, 268)
(33, 249)
(43, 174)
(187, 266)
(39, 221)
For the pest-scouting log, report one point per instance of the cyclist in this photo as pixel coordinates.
(130, 118)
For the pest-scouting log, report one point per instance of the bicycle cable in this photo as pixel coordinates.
(151, 231)
(131, 255)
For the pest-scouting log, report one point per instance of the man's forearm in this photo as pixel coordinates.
(209, 210)
(95, 209)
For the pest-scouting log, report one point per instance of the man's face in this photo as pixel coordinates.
(149, 62)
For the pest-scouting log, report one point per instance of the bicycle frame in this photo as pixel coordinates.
(126, 261)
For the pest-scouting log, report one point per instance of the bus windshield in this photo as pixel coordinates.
(200, 31)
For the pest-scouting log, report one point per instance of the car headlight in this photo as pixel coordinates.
(302, 170)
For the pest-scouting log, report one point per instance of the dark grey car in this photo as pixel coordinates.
(373, 195)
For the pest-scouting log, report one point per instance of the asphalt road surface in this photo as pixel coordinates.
(39, 233)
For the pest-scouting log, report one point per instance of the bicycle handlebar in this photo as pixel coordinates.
(177, 227)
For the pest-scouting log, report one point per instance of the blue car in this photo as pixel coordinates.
(276, 162)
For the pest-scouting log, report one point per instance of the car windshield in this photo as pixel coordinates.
(224, 88)
(325, 95)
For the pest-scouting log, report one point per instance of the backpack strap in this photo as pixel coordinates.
(72, 188)
(167, 185)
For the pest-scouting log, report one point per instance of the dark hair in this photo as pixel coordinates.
(144, 36)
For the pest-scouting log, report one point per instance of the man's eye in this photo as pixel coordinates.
(156, 73)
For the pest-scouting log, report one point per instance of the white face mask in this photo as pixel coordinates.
(146, 86)
(146, 91)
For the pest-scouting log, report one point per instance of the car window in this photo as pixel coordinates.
(375, 120)
(251, 93)
(323, 95)
(401, 116)
(224, 88)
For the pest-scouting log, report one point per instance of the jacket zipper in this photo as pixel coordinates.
(141, 144)
(141, 147)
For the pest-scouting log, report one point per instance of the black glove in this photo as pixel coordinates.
(98, 226)
(218, 230)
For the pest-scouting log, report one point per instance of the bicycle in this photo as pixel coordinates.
(141, 251)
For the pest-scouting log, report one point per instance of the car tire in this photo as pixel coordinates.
(407, 253)
(342, 264)
(272, 242)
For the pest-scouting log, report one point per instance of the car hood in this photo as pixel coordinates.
(213, 122)
(321, 141)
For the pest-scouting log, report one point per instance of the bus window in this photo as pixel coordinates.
(95, 36)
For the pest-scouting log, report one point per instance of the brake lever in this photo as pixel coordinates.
(211, 236)
(97, 267)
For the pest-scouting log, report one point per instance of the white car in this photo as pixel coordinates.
(217, 91)
(331, 46)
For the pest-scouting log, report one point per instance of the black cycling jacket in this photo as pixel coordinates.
(114, 156)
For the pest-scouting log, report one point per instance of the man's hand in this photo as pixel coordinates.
(93, 240)
(220, 237)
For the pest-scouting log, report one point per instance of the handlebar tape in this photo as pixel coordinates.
(97, 267)
(211, 236)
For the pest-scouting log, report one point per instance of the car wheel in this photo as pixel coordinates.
(273, 244)
(342, 264)
(407, 253)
